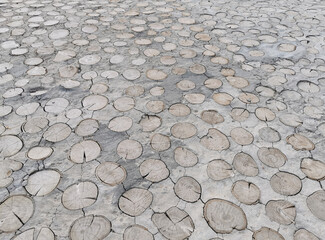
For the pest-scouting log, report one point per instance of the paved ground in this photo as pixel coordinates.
(162, 120)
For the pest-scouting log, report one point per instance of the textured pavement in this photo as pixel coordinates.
(176, 119)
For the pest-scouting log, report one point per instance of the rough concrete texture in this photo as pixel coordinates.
(175, 119)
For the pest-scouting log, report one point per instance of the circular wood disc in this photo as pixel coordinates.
(155, 74)
(35, 125)
(215, 140)
(135, 201)
(111, 173)
(241, 136)
(269, 134)
(9, 145)
(303, 234)
(291, 120)
(224, 216)
(267, 234)
(222, 98)
(56, 105)
(197, 69)
(15, 211)
(239, 114)
(183, 130)
(129, 149)
(281, 211)
(137, 232)
(39, 153)
(246, 192)
(185, 157)
(264, 114)
(42, 182)
(174, 223)
(185, 85)
(213, 83)
(271, 157)
(150, 122)
(248, 98)
(87, 127)
(94, 102)
(219, 169)
(57, 132)
(131, 74)
(155, 106)
(179, 110)
(195, 98)
(84, 151)
(285, 183)
(124, 104)
(237, 82)
(120, 124)
(313, 169)
(300, 142)
(160, 142)
(154, 170)
(27, 109)
(245, 164)
(212, 117)
(80, 195)
(90, 227)
(316, 204)
(187, 189)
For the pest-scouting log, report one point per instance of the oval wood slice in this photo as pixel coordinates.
(80, 195)
(57, 132)
(264, 114)
(27, 109)
(179, 110)
(241, 136)
(281, 211)
(300, 142)
(9, 145)
(15, 211)
(185, 85)
(239, 114)
(313, 169)
(43, 182)
(272, 157)
(87, 127)
(35, 125)
(156, 75)
(90, 227)
(215, 140)
(154, 170)
(267, 234)
(245, 164)
(303, 234)
(94, 102)
(39, 153)
(160, 142)
(248, 98)
(174, 223)
(129, 149)
(155, 106)
(124, 104)
(45, 234)
(269, 134)
(135, 201)
(237, 82)
(84, 151)
(219, 169)
(188, 189)
(212, 117)
(56, 105)
(137, 232)
(195, 98)
(185, 157)
(246, 192)
(150, 123)
(316, 204)
(111, 173)
(224, 216)
(120, 124)
(286, 183)
(222, 98)
(183, 130)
